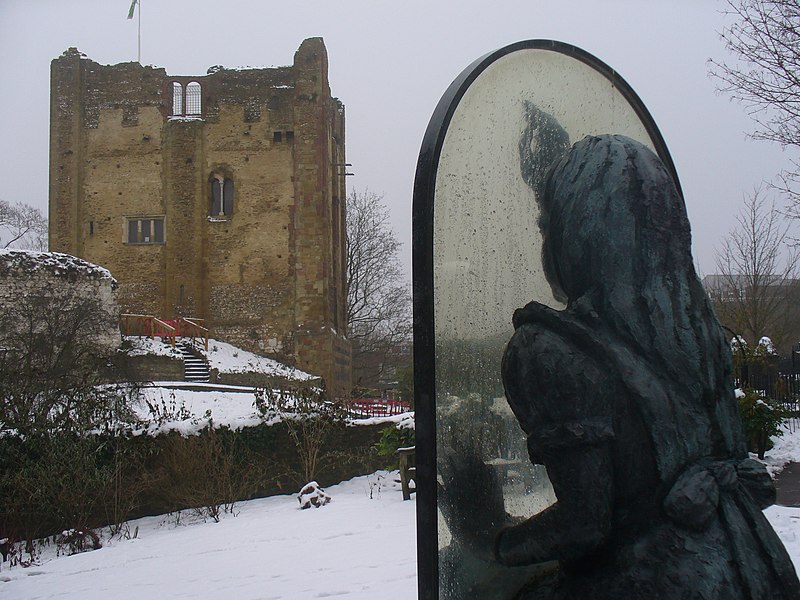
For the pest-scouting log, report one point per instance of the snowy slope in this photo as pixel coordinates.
(189, 411)
(230, 359)
(786, 448)
(222, 356)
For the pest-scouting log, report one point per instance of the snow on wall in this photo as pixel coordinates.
(58, 279)
(56, 264)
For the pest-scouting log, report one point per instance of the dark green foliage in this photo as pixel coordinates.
(206, 473)
(761, 419)
(69, 481)
(393, 438)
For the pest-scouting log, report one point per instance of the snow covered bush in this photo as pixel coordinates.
(761, 358)
(312, 495)
(765, 348)
(761, 419)
(75, 541)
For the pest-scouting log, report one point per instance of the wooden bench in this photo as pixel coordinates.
(408, 470)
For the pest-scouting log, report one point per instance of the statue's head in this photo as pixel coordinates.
(612, 219)
(617, 249)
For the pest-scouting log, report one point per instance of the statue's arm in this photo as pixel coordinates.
(575, 525)
(562, 398)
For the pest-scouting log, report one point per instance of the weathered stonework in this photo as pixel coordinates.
(52, 279)
(267, 275)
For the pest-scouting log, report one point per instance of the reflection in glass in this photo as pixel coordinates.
(520, 114)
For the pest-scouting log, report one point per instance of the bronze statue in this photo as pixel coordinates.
(626, 397)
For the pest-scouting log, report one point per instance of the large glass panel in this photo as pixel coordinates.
(519, 114)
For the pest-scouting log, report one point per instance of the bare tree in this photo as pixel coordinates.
(765, 75)
(309, 417)
(54, 369)
(378, 297)
(756, 294)
(22, 226)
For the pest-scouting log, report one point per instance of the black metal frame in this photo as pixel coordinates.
(424, 348)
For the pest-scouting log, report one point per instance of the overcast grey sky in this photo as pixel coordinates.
(390, 62)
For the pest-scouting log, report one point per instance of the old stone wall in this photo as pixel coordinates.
(32, 284)
(133, 177)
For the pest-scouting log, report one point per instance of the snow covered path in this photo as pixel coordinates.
(355, 547)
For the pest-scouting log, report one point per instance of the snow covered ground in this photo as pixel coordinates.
(361, 545)
(165, 407)
(230, 359)
(786, 521)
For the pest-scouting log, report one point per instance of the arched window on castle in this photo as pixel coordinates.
(193, 98)
(221, 195)
(177, 98)
(187, 102)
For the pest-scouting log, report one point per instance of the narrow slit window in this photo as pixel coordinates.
(227, 197)
(133, 232)
(221, 195)
(216, 197)
(158, 231)
(146, 237)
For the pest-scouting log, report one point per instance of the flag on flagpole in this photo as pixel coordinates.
(133, 8)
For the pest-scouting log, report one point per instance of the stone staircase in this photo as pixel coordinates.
(195, 368)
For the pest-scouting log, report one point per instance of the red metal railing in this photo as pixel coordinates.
(167, 329)
(376, 407)
(147, 325)
(192, 328)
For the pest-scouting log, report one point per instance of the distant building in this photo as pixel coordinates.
(730, 288)
(769, 308)
(220, 197)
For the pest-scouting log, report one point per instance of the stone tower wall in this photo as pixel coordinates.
(270, 276)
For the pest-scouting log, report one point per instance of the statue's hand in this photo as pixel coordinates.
(471, 499)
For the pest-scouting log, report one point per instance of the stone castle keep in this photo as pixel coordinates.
(220, 197)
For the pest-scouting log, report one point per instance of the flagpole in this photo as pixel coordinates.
(139, 37)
